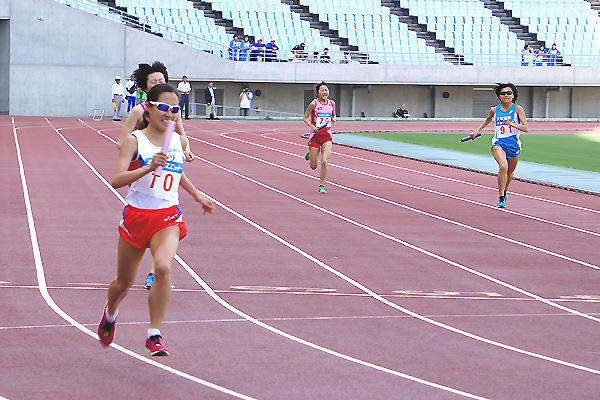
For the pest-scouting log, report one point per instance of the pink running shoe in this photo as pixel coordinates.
(106, 330)
(155, 347)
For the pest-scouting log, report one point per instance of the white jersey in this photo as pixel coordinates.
(151, 191)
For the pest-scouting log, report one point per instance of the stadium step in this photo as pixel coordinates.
(513, 23)
(413, 24)
(128, 19)
(595, 5)
(208, 11)
(324, 29)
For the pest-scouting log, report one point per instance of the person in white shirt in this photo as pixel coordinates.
(130, 92)
(184, 88)
(118, 97)
(245, 101)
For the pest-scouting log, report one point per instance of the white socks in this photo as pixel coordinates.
(109, 317)
(153, 332)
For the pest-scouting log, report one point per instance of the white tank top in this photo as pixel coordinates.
(151, 191)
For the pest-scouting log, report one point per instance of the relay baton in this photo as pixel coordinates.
(166, 144)
(470, 137)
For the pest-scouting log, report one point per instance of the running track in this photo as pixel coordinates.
(403, 282)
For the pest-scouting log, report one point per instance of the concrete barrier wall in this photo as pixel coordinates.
(69, 59)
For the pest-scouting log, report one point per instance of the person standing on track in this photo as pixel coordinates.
(320, 116)
(151, 218)
(509, 121)
(146, 77)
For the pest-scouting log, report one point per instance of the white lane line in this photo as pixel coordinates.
(494, 235)
(375, 295)
(397, 182)
(231, 308)
(267, 135)
(46, 295)
(275, 319)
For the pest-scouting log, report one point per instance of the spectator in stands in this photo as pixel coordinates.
(346, 58)
(325, 58)
(234, 47)
(526, 55)
(209, 97)
(118, 97)
(184, 88)
(553, 55)
(258, 51)
(271, 51)
(540, 56)
(299, 52)
(314, 58)
(245, 101)
(245, 46)
(130, 88)
(402, 112)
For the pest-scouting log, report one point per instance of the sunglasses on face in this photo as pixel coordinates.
(506, 93)
(165, 107)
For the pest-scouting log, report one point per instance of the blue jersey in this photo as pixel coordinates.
(505, 133)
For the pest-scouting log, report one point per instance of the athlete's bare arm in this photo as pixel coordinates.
(485, 123)
(135, 116)
(523, 126)
(189, 156)
(307, 115)
(207, 205)
(123, 177)
(333, 113)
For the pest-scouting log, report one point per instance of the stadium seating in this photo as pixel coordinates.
(465, 25)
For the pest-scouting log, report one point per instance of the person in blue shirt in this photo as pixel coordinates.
(540, 56)
(553, 55)
(271, 52)
(258, 51)
(245, 46)
(234, 47)
(509, 121)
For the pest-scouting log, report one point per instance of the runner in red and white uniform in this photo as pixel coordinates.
(320, 116)
(152, 218)
(146, 76)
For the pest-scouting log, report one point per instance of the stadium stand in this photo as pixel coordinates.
(417, 32)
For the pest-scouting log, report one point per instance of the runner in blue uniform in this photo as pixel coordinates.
(509, 121)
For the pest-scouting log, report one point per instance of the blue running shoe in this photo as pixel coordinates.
(502, 201)
(149, 281)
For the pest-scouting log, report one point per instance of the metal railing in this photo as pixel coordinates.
(199, 110)
(314, 55)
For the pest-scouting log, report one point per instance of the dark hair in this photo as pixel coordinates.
(141, 74)
(318, 86)
(157, 90)
(500, 86)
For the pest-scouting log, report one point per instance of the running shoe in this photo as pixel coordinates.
(501, 201)
(322, 189)
(307, 156)
(155, 347)
(149, 281)
(106, 330)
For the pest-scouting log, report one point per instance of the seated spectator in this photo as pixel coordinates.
(298, 50)
(402, 112)
(258, 51)
(325, 56)
(526, 55)
(234, 47)
(540, 56)
(554, 56)
(271, 51)
(346, 58)
(314, 58)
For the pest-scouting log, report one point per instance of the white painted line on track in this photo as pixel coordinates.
(397, 182)
(268, 136)
(231, 308)
(369, 291)
(494, 235)
(46, 295)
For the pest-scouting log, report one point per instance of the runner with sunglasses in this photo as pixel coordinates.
(151, 218)
(146, 76)
(509, 121)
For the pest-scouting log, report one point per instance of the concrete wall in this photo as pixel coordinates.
(4, 64)
(70, 58)
(4, 13)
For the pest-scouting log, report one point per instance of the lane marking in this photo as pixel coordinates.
(46, 295)
(267, 135)
(231, 308)
(359, 285)
(394, 203)
(394, 181)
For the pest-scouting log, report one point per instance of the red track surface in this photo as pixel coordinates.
(431, 289)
